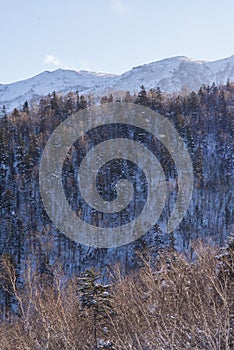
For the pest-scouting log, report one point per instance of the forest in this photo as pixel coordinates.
(163, 291)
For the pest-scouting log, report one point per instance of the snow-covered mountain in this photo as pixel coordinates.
(170, 74)
(174, 74)
(61, 80)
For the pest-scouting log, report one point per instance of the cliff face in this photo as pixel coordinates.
(204, 121)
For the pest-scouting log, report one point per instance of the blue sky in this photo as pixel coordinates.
(109, 35)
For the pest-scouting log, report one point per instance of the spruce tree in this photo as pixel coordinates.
(83, 103)
(25, 107)
(142, 98)
(96, 297)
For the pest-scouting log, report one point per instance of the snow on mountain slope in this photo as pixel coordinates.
(15, 94)
(174, 74)
(222, 69)
(170, 74)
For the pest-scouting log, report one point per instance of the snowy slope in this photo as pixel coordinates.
(174, 74)
(15, 94)
(170, 74)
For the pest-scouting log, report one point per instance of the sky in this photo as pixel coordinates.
(109, 36)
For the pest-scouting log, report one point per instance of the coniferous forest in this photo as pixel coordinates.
(163, 291)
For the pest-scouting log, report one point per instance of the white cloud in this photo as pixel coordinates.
(117, 6)
(53, 61)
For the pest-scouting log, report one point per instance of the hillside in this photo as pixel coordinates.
(204, 121)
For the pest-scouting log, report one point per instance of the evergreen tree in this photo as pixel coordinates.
(95, 297)
(193, 102)
(69, 105)
(83, 103)
(155, 99)
(54, 102)
(25, 107)
(142, 98)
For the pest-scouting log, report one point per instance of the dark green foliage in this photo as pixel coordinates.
(25, 107)
(142, 98)
(97, 298)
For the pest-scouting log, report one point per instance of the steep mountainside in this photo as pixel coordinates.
(204, 121)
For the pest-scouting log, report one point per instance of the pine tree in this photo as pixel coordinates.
(95, 297)
(25, 107)
(69, 105)
(54, 102)
(155, 99)
(193, 104)
(83, 103)
(142, 98)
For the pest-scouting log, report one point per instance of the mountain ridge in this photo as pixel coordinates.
(171, 74)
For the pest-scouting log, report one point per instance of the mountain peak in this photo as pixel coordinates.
(170, 74)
